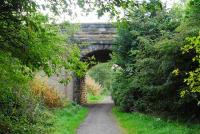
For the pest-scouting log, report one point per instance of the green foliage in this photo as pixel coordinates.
(143, 70)
(193, 80)
(148, 53)
(20, 111)
(103, 6)
(74, 64)
(137, 123)
(29, 43)
(28, 36)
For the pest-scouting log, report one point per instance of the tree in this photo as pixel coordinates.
(28, 43)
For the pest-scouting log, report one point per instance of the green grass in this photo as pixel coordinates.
(94, 99)
(137, 123)
(68, 119)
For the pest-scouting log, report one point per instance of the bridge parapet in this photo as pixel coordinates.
(95, 34)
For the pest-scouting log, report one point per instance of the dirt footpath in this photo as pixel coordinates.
(100, 119)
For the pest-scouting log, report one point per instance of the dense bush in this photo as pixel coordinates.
(20, 111)
(148, 52)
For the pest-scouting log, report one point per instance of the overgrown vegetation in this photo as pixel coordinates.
(151, 66)
(30, 43)
(51, 97)
(20, 111)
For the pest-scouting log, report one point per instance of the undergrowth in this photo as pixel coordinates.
(66, 120)
(138, 123)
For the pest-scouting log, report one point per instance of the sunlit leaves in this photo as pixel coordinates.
(193, 80)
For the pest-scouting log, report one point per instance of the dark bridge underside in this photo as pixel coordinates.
(99, 56)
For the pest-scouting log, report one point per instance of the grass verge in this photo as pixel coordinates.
(137, 123)
(94, 98)
(68, 119)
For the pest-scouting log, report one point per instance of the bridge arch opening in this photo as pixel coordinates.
(100, 56)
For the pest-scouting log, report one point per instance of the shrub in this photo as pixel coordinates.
(51, 97)
(20, 111)
(92, 87)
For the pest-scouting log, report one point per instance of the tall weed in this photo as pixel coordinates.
(51, 97)
(92, 87)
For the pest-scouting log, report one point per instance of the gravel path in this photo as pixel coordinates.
(100, 120)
